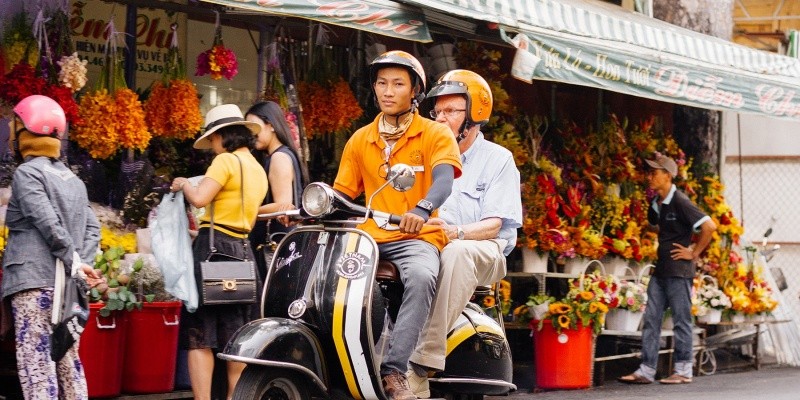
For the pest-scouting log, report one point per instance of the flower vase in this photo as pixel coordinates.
(755, 318)
(737, 317)
(620, 319)
(616, 266)
(575, 265)
(533, 262)
(667, 324)
(712, 316)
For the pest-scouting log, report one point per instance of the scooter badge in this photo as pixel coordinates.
(351, 266)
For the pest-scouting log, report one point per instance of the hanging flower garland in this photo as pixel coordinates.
(72, 74)
(218, 61)
(173, 107)
(112, 115)
(18, 41)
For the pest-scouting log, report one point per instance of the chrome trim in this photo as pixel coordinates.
(278, 364)
(492, 382)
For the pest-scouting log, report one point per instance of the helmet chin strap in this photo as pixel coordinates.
(463, 131)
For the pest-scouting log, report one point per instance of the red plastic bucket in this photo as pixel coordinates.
(151, 348)
(563, 361)
(101, 351)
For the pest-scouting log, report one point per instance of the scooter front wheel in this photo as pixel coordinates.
(265, 383)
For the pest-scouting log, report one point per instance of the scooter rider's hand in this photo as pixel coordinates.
(411, 223)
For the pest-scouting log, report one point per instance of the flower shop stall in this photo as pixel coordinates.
(581, 161)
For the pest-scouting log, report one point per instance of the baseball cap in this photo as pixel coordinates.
(663, 162)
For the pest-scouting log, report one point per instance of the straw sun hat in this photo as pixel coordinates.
(220, 117)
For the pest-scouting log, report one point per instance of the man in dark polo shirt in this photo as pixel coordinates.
(676, 219)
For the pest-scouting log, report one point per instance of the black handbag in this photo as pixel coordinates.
(227, 279)
(72, 312)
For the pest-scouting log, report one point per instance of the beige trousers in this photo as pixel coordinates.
(465, 264)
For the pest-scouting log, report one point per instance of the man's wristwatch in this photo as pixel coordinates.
(459, 232)
(425, 205)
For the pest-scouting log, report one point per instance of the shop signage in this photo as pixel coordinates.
(377, 16)
(88, 21)
(692, 85)
(604, 46)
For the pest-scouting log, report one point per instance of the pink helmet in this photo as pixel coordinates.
(42, 116)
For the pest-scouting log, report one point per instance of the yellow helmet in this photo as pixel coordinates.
(473, 86)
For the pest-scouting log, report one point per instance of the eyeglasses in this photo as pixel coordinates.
(448, 113)
(383, 169)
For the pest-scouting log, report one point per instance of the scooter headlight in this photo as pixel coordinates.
(317, 199)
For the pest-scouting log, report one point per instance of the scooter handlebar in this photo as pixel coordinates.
(289, 213)
(392, 218)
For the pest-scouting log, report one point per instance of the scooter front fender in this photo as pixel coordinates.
(280, 343)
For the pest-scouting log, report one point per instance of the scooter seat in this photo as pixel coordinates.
(387, 272)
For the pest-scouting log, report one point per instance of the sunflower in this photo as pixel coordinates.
(564, 321)
(488, 301)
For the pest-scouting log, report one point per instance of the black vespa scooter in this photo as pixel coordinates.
(327, 303)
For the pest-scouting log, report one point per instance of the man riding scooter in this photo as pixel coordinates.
(400, 135)
(480, 217)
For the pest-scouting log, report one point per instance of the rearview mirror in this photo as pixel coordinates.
(402, 177)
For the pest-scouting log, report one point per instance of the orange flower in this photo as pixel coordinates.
(129, 121)
(156, 109)
(585, 295)
(97, 133)
(560, 308)
(563, 321)
(488, 301)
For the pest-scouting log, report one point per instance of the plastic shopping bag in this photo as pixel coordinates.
(172, 249)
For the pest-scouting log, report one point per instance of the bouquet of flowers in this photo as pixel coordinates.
(709, 296)
(595, 287)
(568, 312)
(632, 296)
(218, 61)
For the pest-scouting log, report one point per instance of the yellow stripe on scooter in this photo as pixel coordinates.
(338, 325)
(464, 332)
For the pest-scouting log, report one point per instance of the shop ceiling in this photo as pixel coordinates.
(583, 42)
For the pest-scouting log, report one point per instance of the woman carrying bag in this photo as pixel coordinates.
(287, 177)
(49, 220)
(231, 190)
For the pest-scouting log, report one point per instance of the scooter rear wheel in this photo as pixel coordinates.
(264, 383)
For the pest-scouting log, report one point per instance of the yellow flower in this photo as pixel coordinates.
(563, 321)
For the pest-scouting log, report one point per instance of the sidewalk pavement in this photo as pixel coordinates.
(773, 382)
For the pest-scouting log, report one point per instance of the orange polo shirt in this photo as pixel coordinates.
(425, 145)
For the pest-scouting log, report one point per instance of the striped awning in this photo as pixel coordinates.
(597, 44)
(383, 17)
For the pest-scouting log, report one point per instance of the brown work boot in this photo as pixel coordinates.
(395, 385)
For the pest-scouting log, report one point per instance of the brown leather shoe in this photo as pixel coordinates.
(395, 385)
